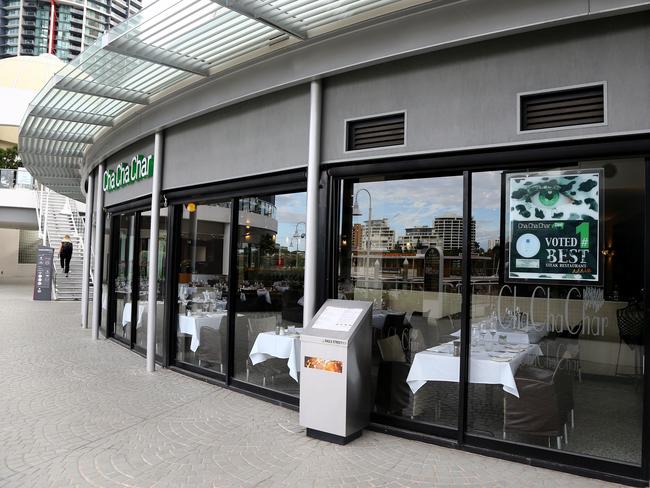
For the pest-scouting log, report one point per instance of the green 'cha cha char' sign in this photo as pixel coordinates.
(554, 223)
(140, 168)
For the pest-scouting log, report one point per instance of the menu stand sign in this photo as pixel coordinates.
(43, 275)
(335, 379)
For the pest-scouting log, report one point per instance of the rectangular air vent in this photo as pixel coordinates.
(563, 108)
(385, 130)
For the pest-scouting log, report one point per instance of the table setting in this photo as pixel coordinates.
(191, 324)
(280, 343)
(494, 362)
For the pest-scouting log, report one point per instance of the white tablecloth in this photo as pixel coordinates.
(433, 366)
(269, 345)
(192, 325)
(142, 307)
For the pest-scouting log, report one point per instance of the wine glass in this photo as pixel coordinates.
(474, 335)
(493, 325)
(483, 332)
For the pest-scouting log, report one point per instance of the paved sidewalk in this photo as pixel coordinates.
(74, 412)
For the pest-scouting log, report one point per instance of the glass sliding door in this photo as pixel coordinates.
(143, 273)
(105, 272)
(201, 323)
(124, 245)
(557, 308)
(270, 257)
(400, 247)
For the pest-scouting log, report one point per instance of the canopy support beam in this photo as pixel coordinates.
(157, 55)
(253, 14)
(103, 91)
(71, 116)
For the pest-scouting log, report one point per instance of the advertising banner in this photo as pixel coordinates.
(554, 226)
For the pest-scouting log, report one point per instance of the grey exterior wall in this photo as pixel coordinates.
(467, 96)
(136, 190)
(433, 29)
(259, 136)
(459, 98)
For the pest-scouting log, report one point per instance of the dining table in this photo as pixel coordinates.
(269, 345)
(142, 307)
(192, 324)
(495, 367)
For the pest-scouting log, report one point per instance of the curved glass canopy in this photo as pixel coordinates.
(151, 55)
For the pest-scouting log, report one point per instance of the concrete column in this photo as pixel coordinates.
(85, 283)
(153, 251)
(99, 252)
(313, 177)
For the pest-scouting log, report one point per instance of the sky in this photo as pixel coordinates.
(291, 211)
(407, 203)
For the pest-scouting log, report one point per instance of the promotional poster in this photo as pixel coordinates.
(554, 226)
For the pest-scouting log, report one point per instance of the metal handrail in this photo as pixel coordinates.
(39, 215)
(45, 223)
(79, 224)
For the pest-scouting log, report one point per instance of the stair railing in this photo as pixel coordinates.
(79, 224)
(39, 207)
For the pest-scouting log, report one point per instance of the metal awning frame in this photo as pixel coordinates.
(166, 46)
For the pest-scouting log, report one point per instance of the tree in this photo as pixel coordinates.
(267, 245)
(9, 158)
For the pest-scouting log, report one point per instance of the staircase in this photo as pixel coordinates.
(59, 217)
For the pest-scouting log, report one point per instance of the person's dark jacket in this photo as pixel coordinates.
(66, 249)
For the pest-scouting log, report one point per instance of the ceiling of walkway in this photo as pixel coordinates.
(166, 47)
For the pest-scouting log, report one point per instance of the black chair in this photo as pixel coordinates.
(291, 310)
(544, 403)
(393, 393)
(563, 345)
(212, 347)
(631, 320)
(396, 325)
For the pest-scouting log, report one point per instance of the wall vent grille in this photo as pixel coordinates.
(382, 131)
(563, 108)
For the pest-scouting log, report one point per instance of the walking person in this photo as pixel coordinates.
(65, 253)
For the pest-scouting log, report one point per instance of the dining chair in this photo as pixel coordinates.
(544, 404)
(395, 325)
(212, 345)
(390, 349)
(630, 321)
(271, 367)
(445, 326)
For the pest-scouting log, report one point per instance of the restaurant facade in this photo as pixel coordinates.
(478, 172)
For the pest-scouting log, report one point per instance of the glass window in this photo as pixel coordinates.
(203, 295)
(269, 296)
(558, 308)
(400, 246)
(28, 242)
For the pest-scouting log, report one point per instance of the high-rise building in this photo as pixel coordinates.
(357, 236)
(123, 9)
(492, 243)
(61, 27)
(382, 237)
(420, 235)
(449, 231)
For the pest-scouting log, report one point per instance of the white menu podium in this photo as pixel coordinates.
(335, 358)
